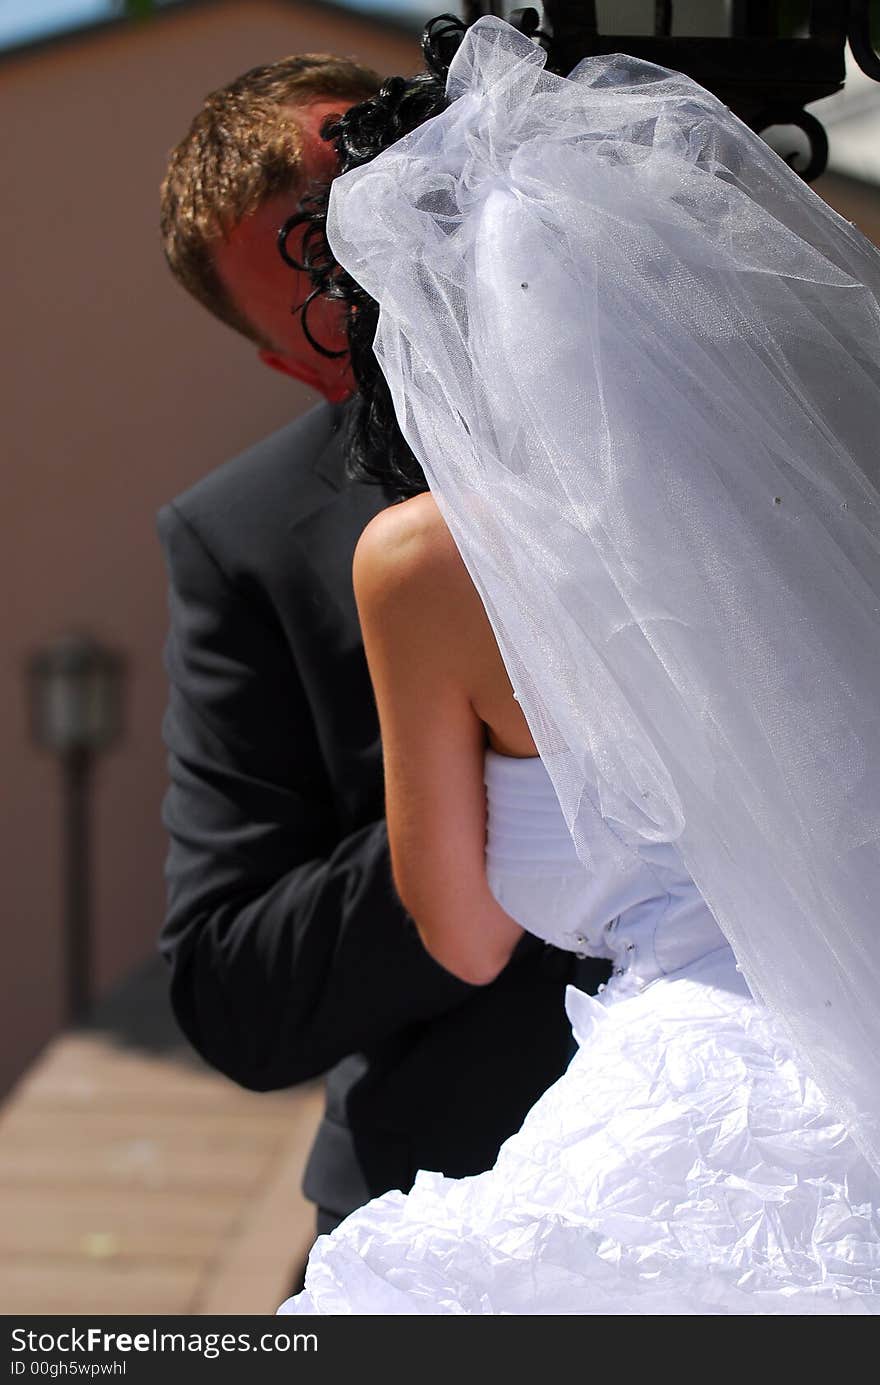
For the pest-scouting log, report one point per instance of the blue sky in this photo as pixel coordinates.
(24, 20)
(21, 20)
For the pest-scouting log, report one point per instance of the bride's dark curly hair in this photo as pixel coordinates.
(375, 447)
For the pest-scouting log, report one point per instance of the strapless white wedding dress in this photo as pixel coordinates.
(683, 1164)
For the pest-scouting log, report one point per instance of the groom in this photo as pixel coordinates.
(290, 954)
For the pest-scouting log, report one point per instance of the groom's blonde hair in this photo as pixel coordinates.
(244, 147)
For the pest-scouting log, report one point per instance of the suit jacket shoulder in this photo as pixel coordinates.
(259, 497)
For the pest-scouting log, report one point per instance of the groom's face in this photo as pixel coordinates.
(269, 293)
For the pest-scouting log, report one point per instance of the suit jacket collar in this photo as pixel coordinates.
(330, 461)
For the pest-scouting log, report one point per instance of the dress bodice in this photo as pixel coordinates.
(633, 905)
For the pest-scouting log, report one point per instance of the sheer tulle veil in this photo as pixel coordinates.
(639, 361)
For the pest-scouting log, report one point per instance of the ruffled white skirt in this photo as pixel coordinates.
(684, 1164)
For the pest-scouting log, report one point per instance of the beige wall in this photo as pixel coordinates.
(115, 393)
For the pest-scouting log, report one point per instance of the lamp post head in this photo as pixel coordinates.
(75, 695)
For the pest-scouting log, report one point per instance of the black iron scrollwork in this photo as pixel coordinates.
(810, 126)
(526, 20)
(860, 41)
(763, 71)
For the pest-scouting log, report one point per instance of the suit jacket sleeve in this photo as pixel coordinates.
(288, 946)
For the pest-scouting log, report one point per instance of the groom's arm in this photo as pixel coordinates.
(287, 944)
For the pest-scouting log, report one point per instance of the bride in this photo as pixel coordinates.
(626, 655)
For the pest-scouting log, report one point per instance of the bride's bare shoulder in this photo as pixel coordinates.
(406, 551)
(425, 629)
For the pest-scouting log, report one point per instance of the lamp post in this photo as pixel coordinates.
(777, 55)
(76, 711)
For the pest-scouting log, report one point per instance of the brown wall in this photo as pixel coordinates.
(858, 202)
(115, 393)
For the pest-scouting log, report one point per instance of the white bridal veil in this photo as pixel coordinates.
(639, 361)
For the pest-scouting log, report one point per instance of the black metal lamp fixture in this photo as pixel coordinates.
(75, 689)
(776, 57)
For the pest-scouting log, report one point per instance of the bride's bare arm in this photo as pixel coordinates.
(428, 642)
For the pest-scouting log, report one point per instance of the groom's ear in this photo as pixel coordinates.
(297, 370)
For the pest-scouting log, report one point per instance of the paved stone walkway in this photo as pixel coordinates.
(139, 1182)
